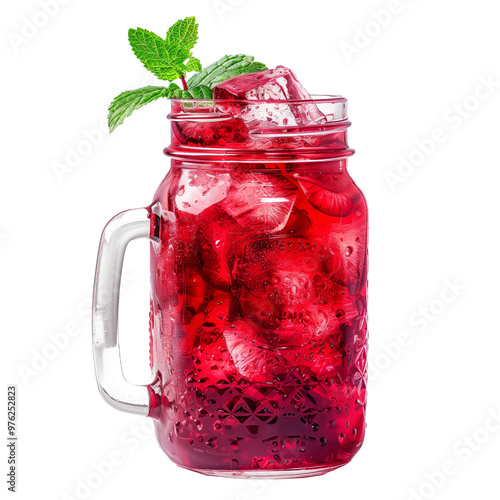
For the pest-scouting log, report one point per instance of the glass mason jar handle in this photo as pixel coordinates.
(114, 388)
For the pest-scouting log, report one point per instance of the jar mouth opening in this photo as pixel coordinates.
(330, 108)
(315, 99)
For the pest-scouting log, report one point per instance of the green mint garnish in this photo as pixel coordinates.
(226, 67)
(130, 100)
(171, 59)
(196, 92)
(167, 58)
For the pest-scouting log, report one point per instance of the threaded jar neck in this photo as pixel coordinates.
(259, 131)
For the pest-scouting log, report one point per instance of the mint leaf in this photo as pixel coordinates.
(197, 92)
(181, 38)
(252, 68)
(225, 68)
(193, 64)
(152, 51)
(166, 58)
(127, 102)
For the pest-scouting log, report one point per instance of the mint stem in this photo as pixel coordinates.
(184, 84)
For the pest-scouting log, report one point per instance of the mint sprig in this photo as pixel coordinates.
(171, 59)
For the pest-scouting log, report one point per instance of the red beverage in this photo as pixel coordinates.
(258, 311)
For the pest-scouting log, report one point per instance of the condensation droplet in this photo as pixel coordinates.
(212, 442)
(318, 279)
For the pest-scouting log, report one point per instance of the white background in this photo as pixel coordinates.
(432, 400)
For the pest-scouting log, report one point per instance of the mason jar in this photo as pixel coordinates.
(258, 335)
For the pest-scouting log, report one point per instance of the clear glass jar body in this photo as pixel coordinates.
(258, 310)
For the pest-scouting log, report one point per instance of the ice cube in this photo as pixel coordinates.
(333, 194)
(217, 133)
(272, 84)
(347, 243)
(287, 293)
(216, 238)
(251, 360)
(199, 190)
(260, 202)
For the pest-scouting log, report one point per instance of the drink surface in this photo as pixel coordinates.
(258, 311)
